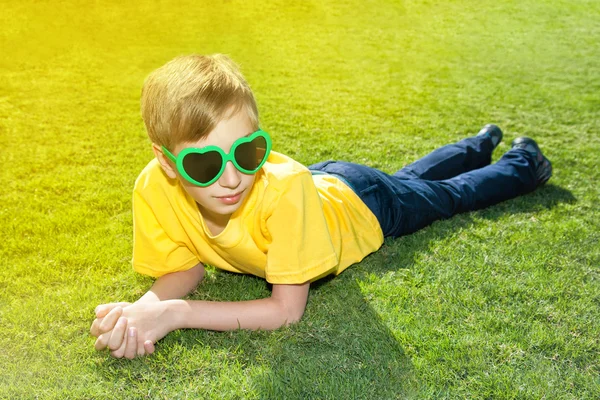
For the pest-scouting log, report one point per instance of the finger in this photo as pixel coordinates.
(131, 348)
(140, 349)
(149, 347)
(104, 309)
(120, 352)
(108, 322)
(117, 335)
(95, 328)
(102, 341)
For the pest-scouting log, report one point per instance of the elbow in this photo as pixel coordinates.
(292, 315)
(290, 301)
(280, 316)
(292, 320)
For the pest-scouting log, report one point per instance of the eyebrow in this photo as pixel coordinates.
(253, 132)
(245, 136)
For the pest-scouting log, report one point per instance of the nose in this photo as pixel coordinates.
(231, 177)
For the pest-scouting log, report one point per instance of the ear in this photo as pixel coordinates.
(166, 164)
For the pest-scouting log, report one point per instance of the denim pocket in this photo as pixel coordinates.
(320, 165)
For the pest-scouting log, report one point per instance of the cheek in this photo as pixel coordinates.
(198, 193)
(248, 180)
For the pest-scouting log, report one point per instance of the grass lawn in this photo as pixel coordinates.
(502, 303)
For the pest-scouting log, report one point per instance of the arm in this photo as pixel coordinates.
(175, 285)
(146, 323)
(285, 306)
(155, 319)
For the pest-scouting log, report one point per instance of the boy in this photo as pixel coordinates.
(216, 194)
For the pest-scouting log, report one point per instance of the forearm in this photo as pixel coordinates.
(285, 306)
(223, 316)
(174, 286)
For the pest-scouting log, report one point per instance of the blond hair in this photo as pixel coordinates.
(185, 99)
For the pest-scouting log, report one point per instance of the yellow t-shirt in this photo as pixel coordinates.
(292, 228)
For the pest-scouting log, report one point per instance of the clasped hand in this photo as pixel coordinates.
(129, 330)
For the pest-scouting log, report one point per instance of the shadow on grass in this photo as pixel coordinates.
(341, 349)
(400, 253)
(544, 198)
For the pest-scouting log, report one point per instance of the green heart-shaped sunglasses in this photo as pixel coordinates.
(204, 166)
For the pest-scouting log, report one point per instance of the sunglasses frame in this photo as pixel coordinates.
(225, 157)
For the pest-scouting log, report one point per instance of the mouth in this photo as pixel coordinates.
(230, 198)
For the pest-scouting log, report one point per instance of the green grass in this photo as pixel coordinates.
(500, 303)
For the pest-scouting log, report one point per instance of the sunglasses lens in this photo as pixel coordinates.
(203, 167)
(250, 155)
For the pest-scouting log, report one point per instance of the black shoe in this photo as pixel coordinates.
(493, 132)
(543, 166)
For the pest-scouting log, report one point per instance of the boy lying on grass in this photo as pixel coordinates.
(217, 194)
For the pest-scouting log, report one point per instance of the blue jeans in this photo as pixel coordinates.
(452, 179)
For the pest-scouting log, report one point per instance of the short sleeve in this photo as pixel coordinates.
(155, 252)
(301, 249)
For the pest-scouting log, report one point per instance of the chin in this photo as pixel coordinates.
(228, 210)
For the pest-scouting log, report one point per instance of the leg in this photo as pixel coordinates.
(452, 160)
(511, 176)
(428, 201)
(403, 206)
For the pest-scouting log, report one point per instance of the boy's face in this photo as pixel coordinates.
(221, 199)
